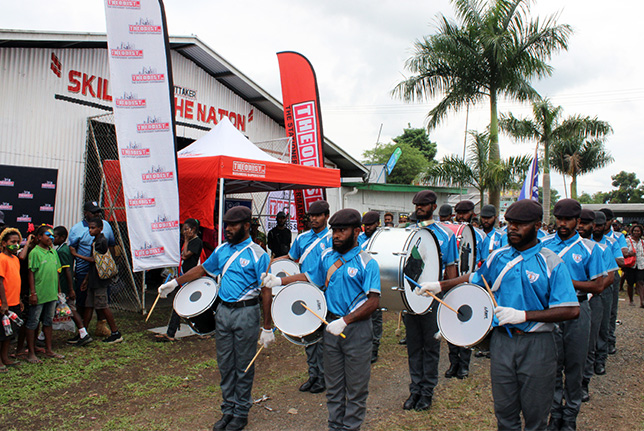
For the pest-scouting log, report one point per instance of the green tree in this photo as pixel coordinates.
(628, 190)
(596, 198)
(409, 165)
(418, 138)
(546, 128)
(477, 171)
(494, 50)
(554, 197)
(576, 156)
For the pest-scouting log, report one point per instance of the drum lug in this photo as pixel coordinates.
(372, 252)
(398, 289)
(400, 253)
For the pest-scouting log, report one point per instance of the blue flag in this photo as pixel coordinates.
(530, 188)
(392, 160)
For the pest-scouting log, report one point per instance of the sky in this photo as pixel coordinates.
(358, 50)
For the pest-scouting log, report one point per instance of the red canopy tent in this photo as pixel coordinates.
(224, 155)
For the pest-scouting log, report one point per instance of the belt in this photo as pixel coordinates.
(582, 298)
(241, 304)
(513, 331)
(331, 316)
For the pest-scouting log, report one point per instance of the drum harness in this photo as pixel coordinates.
(581, 297)
(310, 248)
(239, 304)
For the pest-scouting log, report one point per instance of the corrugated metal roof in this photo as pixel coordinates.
(202, 55)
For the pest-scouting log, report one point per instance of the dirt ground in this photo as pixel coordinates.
(143, 385)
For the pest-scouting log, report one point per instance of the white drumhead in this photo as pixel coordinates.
(428, 248)
(475, 319)
(288, 314)
(283, 267)
(195, 297)
(467, 250)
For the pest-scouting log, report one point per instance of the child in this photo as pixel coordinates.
(9, 288)
(44, 267)
(67, 285)
(190, 252)
(96, 286)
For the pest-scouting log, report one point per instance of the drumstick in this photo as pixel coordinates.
(412, 281)
(254, 357)
(398, 332)
(153, 305)
(487, 286)
(319, 317)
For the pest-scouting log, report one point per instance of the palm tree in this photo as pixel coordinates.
(495, 51)
(546, 128)
(577, 156)
(477, 171)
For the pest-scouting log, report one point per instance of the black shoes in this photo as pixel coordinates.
(222, 423)
(237, 424)
(402, 341)
(585, 396)
(410, 403)
(84, 341)
(424, 403)
(612, 350)
(374, 356)
(451, 371)
(600, 369)
(462, 373)
(306, 386)
(318, 386)
(568, 426)
(554, 424)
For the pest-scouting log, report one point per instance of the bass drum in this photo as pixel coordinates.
(473, 321)
(412, 251)
(283, 267)
(466, 243)
(306, 340)
(197, 303)
(291, 318)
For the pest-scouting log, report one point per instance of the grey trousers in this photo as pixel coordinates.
(572, 350)
(613, 312)
(596, 313)
(348, 369)
(315, 360)
(376, 322)
(523, 371)
(236, 336)
(459, 355)
(601, 350)
(423, 351)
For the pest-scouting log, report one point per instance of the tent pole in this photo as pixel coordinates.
(221, 211)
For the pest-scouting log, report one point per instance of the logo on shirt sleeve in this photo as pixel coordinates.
(576, 257)
(352, 271)
(532, 276)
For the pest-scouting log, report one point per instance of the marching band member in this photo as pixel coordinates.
(423, 349)
(445, 213)
(306, 250)
(352, 280)
(240, 263)
(584, 260)
(533, 289)
(492, 239)
(371, 223)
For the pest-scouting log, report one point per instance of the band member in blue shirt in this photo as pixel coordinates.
(240, 263)
(492, 239)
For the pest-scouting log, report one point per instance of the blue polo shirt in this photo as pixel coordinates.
(302, 243)
(446, 240)
(350, 283)
(584, 258)
(619, 237)
(81, 240)
(242, 279)
(480, 236)
(612, 245)
(491, 242)
(504, 239)
(537, 282)
(363, 240)
(610, 264)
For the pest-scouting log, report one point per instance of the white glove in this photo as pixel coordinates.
(337, 326)
(427, 287)
(168, 287)
(509, 316)
(266, 337)
(270, 280)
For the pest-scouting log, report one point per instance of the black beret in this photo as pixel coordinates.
(525, 210)
(347, 217)
(600, 217)
(371, 217)
(281, 214)
(464, 206)
(318, 207)
(91, 207)
(608, 213)
(567, 208)
(587, 215)
(237, 214)
(445, 210)
(424, 197)
(488, 211)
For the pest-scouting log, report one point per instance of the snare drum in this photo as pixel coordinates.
(196, 302)
(466, 243)
(283, 267)
(394, 249)
(306, 340)
(474, 319)
(292, 319)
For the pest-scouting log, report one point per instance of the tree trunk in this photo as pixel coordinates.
(495, 154)
(546, 182)
(573, 187)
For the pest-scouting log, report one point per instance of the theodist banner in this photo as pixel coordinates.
(140, 71)
(303, 121)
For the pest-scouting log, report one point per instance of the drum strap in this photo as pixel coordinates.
(310, 248)
(337, 264)
(508, 267)
(563, 252)
(232, 258)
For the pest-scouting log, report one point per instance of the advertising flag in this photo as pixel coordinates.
(393, 160)
(530, 188)
(140, 71)
(303, 121)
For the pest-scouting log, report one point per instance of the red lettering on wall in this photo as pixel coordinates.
(212, 115)
(74, 84)
(188, 110)
(222, 113)
(201, 112)
(87, 85)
